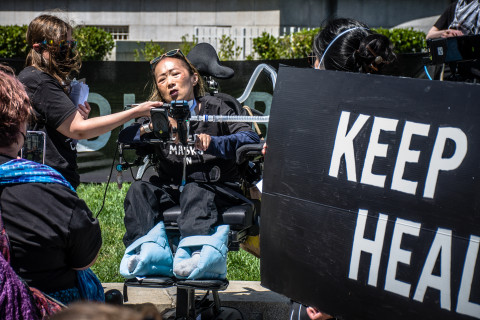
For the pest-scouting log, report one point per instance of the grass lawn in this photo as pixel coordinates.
(241, 265)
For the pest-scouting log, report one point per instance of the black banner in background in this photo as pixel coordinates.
(371, 195)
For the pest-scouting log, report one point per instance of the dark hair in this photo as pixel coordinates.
(14, 106)
(50, 31)
(357, 50)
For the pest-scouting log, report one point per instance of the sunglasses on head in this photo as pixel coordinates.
(61, 43)
(170, 53)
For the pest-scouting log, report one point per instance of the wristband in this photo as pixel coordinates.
(146, 127)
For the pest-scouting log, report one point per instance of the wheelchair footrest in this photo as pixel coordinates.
(218, 285)
(166, 282)
(150, 282)
(155, 282)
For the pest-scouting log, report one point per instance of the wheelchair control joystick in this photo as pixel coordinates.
(179, 110)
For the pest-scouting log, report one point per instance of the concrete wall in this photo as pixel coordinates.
(149, 19)
(376, 13)
(242, 20)
(144, 15)
(382, 13)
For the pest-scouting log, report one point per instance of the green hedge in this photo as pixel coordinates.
(13, 41)
(149, 51)
(295, 45)
(93, 43)
(228, 50)
(299, 44)
(405, 40)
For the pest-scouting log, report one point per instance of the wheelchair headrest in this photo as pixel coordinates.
(204, 57)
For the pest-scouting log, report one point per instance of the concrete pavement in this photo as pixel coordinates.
(253, 300)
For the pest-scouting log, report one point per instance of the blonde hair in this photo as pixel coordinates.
(198, 90)
(49, 31)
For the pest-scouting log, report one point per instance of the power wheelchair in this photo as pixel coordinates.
(242, 219)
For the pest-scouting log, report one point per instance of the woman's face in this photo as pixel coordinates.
(174, 80)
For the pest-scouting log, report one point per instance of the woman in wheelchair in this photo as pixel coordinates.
(212, 183)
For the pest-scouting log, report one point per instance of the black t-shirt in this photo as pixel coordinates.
(52, 107)
(171, 163)
(447, 17)
(51, 231)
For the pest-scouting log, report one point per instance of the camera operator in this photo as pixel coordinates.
(460, 18)
(211, 172)
(53, 236)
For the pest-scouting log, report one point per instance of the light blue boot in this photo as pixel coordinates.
(211, 264)
(149, 255)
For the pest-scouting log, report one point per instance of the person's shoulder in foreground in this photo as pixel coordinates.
(99, 311)
(38, 203)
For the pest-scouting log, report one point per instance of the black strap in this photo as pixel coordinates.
(5, 247)
(39, 121)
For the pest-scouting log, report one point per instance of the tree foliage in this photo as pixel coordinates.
(187, 45)
(292, 46)
(228, 50)
(13, 41)
(93, 43)
(299, 44)
(266, 47)
(150, 51)
(405, 40)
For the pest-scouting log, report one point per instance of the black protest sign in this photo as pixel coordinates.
(371, 206)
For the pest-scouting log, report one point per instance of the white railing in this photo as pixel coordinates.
(289, 30)
(242, 36)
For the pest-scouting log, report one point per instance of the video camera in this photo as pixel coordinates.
(454, 49)
(462, 54)
(179, 110)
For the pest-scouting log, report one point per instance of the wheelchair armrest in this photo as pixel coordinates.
(128, 134)
(249, 151)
